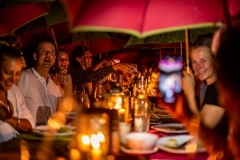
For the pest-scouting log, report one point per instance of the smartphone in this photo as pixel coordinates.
(170, 78)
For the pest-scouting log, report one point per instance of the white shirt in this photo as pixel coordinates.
(37, 92)
(14, 95)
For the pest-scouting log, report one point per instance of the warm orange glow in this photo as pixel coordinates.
(94, 141)
(110, 157)
(24, 150)
(84, 142)
(119, 100)
(191, 147)
(86, 139)
(74, 154)
(68, 104)
(101, 137)
(96, 152)
(121, 111)
(53, 123)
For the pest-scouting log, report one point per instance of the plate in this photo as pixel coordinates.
(44, 130)
(170, 128)
(130, 151)
(71, 114)
(180, 139)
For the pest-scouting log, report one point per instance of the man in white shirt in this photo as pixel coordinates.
(40, 92)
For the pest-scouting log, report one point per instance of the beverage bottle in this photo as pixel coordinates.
(141, 109)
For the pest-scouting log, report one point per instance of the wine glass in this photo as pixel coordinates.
(79, 89)
(82, 96)
(112, 78)
(98, 93)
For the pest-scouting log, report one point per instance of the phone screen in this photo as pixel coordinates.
(170, 79)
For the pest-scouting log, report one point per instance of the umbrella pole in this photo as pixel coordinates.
(160, 53)
(187, 50)
(181, 49)
(54, 38)
(226, 14)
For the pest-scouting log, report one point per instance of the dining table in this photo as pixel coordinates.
(31, 146)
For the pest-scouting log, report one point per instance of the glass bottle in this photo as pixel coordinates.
(141, 109)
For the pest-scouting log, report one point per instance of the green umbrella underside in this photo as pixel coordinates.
(170, 37)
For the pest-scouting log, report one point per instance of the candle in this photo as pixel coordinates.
(121, 111)
(100, 137)
(96, 152)
(85, 142)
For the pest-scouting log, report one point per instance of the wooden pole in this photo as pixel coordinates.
(54, 38)
(160, 53)
(187, 50)
(226, 14)
(181, 49)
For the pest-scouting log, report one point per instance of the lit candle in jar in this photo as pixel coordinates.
(121, 111)
(103, 144)
(95, 151)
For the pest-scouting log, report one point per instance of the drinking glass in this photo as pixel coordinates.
(79, 89)
(112, 78)
(82, 96)
(98, 93)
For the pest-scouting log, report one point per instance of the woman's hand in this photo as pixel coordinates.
(188, 84)
(65, 79)
(125, 68)
(179, 109)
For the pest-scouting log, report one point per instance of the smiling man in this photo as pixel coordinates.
(40, 92)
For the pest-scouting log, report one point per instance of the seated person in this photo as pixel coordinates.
(41, 94)
(62, 68)
(14, 115)
(63, 61)
(81, 59)
(213, 119)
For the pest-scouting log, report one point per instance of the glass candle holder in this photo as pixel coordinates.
(92, 138)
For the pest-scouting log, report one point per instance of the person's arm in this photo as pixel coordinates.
(23, 121)
(100, 64)
(211, 115)
(81, 76)
(19, 124)
(188, 86)
(66, 81)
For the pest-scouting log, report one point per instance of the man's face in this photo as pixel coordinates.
(46, 55)
(63, 61)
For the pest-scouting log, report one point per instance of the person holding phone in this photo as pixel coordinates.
(211, 118)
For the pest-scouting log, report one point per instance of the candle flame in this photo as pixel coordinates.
(119, 100)
(53, 123)
(85, 139)
(94, 141)
(101, 137)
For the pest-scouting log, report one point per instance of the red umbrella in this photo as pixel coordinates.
(98, 42)
(17, 16)
(145, 17)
